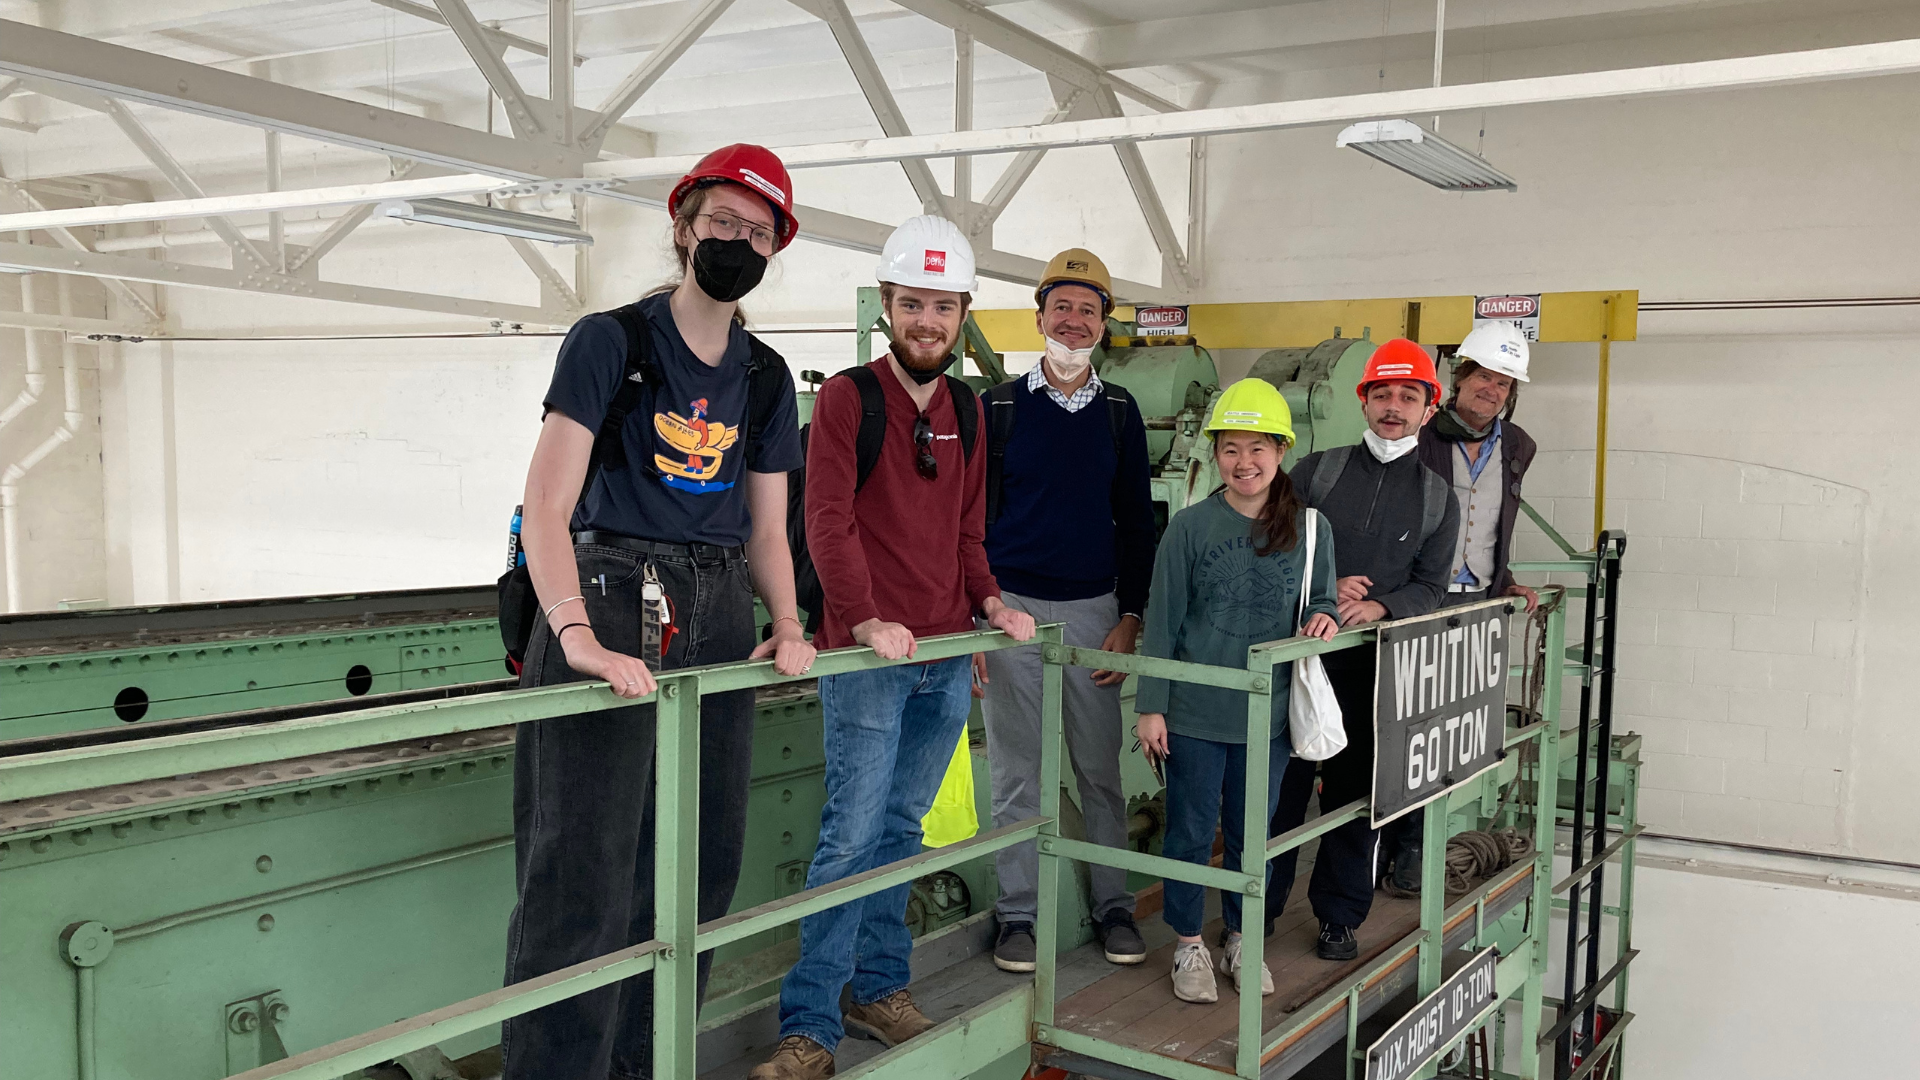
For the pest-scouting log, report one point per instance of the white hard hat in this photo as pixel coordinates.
(1497, 346)
(928, 252)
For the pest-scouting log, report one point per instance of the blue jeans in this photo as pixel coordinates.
(1201, 775)
(889, 735)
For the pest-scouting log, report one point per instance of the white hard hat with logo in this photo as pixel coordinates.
(928, 252)
(1497, 346)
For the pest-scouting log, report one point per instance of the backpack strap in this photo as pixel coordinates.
(767, 380)
(999, 403)
(966, 415)
(1327, 474)
(637, 376)
(873, 423)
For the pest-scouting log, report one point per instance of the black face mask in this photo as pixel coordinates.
(919, 377)
(727, 269)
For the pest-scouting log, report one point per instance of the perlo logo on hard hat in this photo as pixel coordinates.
(936, 262)
(765, 186)
(1077, 266)
(1506, 307)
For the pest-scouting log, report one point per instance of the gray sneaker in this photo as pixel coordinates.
(1230, 967)
(1016, 949)
(1120, 939)
(1193, 974)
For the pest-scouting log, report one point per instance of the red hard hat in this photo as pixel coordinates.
(1399, 360)
(753, 167)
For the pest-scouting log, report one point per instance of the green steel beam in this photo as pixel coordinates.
(1154, 667)
(676, 866)
(349, 1055)
(1553, 534)
(1145, 1061)
(798, 906)
(34, 775)
(955, 1049)
(1325, 823)
(1156, 865)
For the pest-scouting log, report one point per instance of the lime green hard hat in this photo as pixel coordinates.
(1252, 404)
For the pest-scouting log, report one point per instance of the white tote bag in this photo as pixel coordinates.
(1313, 713)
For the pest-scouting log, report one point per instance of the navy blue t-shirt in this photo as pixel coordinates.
(685, 458)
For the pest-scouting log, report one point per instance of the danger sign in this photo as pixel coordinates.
(1520, 309)
(1159, 321)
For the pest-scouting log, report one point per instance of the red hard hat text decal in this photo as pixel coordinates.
(936, 262)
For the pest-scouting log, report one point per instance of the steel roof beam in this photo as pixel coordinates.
(244, 249)
(487, 56)
(500, 38)
(134, 75)
(1134, 165)
(1009, 38)
(643, 77)
(37, 257)
(866, 71)
(66, 239)
(560, 76)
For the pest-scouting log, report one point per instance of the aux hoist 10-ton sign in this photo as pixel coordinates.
(1440, 705)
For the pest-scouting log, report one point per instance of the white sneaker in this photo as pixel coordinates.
(1193, 973)
(1230, 967)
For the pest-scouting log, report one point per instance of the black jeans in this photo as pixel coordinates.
(583, 810)
(1341, 889)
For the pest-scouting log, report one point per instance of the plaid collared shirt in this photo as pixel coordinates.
(1080, 399)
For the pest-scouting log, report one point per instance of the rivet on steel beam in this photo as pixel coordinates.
(243, 1022)
(265, 923)
(81, 836)
(160, 821)
(1042, 1033)
(122, 829)
(263, 864)
(1046, 846)
(671, 690)
(40, 843)
(195, 817)
(277, 1012)
(1051, 653)
(1260, 684)
(1253, 887)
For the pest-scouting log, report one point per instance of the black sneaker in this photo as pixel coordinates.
(1337, 942)
(1120, 938)
(1016, 948)
(1406, 869)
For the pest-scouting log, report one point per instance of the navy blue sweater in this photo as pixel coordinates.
(1067, 530)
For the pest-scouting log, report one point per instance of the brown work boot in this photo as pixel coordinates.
(890, 1021)
(796, 1058)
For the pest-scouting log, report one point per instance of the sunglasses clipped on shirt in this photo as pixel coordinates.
(923, 460)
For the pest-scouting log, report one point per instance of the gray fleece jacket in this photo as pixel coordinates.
(1374, 510)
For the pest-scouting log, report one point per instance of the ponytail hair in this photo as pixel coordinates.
(1276, 528)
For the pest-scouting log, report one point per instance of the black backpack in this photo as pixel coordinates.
(767, 380)
(999, 401)
(867, 442)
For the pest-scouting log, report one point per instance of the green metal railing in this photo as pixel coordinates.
(958, 1046)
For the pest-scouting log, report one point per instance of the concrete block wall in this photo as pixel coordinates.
(1741, 607)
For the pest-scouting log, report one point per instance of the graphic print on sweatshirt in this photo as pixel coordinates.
(700, 446)
(1247, 596)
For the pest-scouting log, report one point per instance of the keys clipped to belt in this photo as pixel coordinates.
(656, 617)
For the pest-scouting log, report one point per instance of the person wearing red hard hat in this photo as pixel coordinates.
(655, 508)
(1395, 524)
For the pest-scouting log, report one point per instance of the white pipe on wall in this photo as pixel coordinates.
(70, 421)
(36, 381)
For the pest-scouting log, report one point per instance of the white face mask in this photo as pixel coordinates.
(1386, 450)
(1068, 364)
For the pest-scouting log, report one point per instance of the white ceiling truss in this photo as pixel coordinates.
(434, 157)
(559, 152)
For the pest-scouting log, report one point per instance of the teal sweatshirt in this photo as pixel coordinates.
(1212, 599)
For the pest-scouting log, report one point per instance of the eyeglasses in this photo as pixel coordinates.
(924, 460)
(725, 226)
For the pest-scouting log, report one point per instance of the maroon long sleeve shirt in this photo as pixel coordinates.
(903, 548)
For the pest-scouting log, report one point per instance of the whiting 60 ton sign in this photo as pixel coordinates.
(1440, 700)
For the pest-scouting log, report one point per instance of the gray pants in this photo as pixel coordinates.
(1091, 718)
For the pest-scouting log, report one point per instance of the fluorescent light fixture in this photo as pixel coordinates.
(489, 219)
(1420, 153)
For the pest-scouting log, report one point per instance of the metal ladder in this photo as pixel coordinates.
(1585, 981)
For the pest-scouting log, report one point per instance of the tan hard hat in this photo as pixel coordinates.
(1077, 266)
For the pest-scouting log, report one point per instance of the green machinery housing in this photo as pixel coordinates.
(198, 925)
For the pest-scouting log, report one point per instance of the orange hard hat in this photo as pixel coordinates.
(755, 168)
(1399, 360)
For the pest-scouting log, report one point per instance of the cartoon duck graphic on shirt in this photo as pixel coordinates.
(702, 445)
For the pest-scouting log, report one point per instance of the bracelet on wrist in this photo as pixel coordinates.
(786, 618)
(561, 604)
